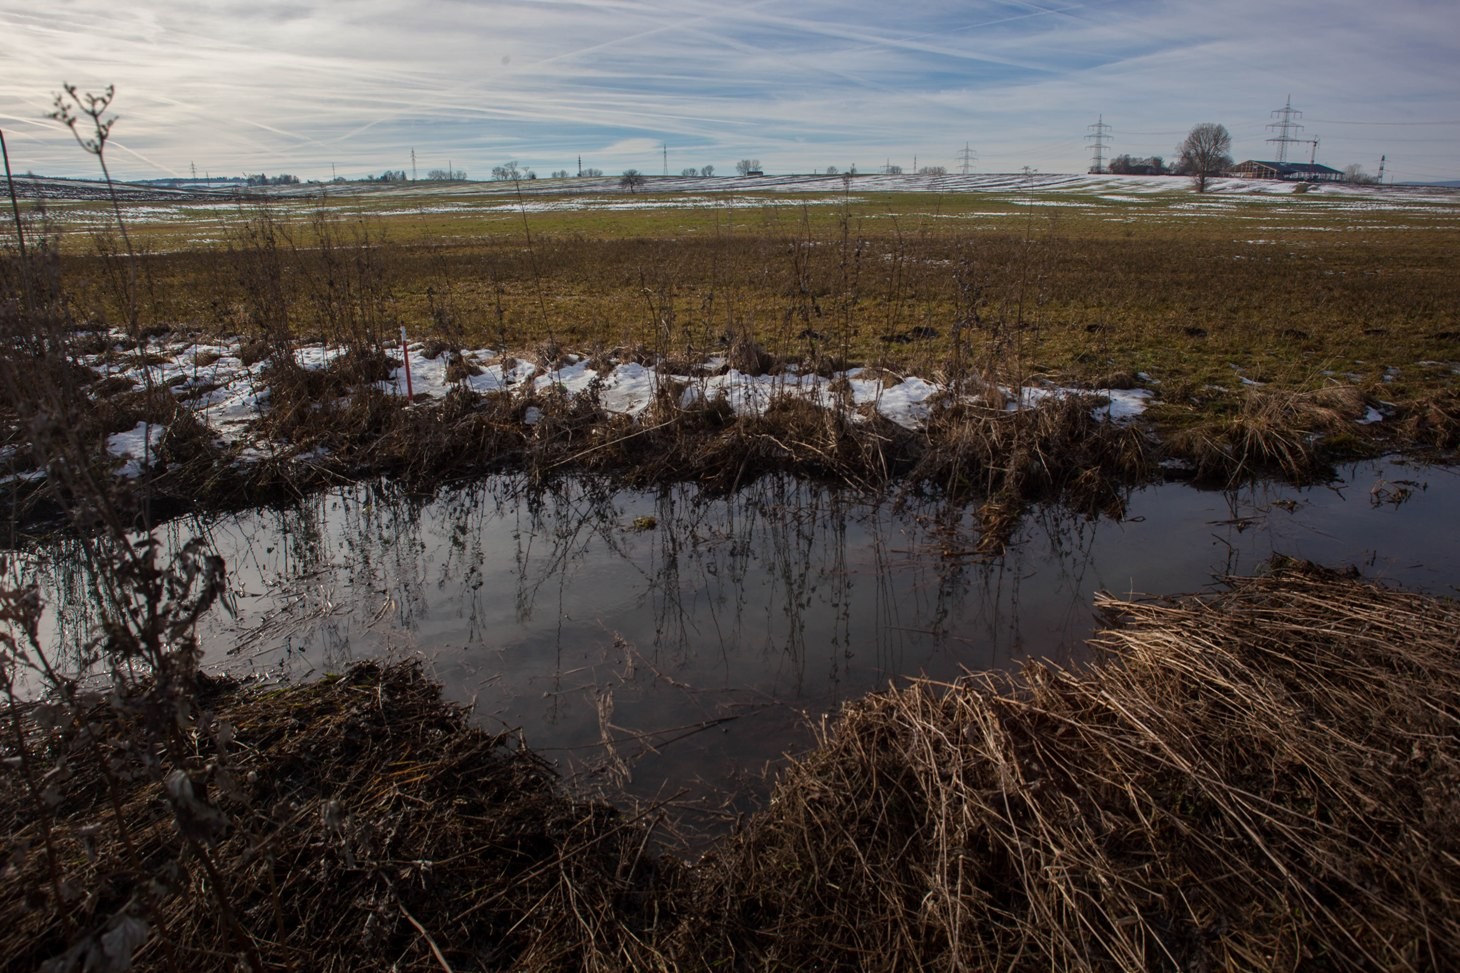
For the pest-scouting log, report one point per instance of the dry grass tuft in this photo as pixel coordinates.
(1055, 449)
(1271, 432)
(744, 354)
(1265, 779)
(1434, 421)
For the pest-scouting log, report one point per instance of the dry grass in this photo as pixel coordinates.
(1267, 779)
(1272, 432)
(368, 827)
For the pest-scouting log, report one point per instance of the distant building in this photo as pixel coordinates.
(1292, 171)
(755, 172)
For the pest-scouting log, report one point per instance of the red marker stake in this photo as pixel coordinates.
(405, 351)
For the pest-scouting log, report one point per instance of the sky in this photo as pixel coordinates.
(319, 88)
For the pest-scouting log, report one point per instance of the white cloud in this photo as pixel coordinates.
(277, 86)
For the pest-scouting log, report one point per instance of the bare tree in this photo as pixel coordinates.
(691, 172)
(1204, 154)
(631, 180)
(707, 171)
(746, 166)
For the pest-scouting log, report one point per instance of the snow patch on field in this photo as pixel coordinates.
(135, 448)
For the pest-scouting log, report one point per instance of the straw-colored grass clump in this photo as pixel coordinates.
(1271, 432)
(1267, 779)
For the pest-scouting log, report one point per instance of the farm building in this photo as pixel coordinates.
(1298, 171)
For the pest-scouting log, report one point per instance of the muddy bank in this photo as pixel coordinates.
(1263, 778)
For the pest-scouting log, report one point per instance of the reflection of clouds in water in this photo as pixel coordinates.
(700, 646)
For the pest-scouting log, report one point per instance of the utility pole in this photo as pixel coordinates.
(333, 177)
(965, 158)
(1099, 135)
(666, 158)
(413, 165)
(1287, 128)
(1382, 159)
(580, 165)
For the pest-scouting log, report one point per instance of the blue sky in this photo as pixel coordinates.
(236, 86)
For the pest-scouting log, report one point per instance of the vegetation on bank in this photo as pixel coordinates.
(1265, 778)
(1262, 353)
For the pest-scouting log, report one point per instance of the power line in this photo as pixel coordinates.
(1330, 121)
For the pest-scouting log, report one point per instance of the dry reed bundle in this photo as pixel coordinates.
(1264, 779)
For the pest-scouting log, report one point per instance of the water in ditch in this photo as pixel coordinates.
(674, 646)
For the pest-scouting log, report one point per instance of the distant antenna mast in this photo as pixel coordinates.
(413, 165)
(1099, 134)
(965, 158)
(666, 158)
(1382, 159)
(580, 166)
(1287, 128)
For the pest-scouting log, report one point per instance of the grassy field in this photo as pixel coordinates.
(1272, 333)
(1190, 290)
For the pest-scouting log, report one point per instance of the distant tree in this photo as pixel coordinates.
(446, 175)
(831, 170)
(592, 172)
(507, 171)
(707, 171)
(1122, 165)
(1355, 174)
(933, 171)
(282, 179)
(746, 166)
(1129, 165)
(560, 173)
(690, 172)
(1204, 154)
(631, 180)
